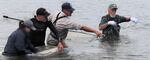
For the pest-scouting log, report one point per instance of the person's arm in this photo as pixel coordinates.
(31, 47)
(89, 29)
(103, 24)
(127, 19)
(53, 29)
(73, 25)
(124, 19)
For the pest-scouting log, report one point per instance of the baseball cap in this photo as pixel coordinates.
(29, 24)
(42, 11)
(67, 6)
(113, 6)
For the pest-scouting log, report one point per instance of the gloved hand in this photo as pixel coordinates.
(134, 20)
(111, 23)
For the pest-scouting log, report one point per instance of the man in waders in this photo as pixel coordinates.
(63, 23)
(110, 23)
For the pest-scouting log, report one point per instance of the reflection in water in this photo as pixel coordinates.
(110, 46)
(15, 58)
(63, 56)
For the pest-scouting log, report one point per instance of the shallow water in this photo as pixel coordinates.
(134, 43)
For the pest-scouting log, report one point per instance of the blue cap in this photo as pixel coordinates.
(67, 6)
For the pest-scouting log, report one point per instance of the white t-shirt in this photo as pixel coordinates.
(63, 25)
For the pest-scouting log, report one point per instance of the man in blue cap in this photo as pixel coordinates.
(63, 23)
(110, 23)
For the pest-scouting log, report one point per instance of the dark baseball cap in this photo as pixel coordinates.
(113, 6)
(42, 11)
(29, 24)
(67, 6)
